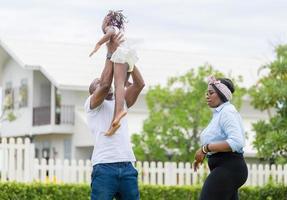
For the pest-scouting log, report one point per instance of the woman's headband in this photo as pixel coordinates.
(222, 90)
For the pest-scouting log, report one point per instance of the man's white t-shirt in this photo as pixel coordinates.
(108, 149)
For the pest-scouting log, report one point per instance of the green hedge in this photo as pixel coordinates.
(153, 192)
(37, 191)
(268, 192)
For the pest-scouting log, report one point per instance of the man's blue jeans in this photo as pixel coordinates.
(117, 180)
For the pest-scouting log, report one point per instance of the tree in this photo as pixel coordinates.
(270, 92)
(7, 116)
(177, 114)
(7, 113)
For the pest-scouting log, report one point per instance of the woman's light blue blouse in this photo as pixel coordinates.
(226, 125)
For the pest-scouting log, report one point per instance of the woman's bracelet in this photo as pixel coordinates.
(203, 149)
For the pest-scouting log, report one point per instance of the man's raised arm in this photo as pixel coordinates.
(133, 91)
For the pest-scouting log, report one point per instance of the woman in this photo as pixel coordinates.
(222, 143)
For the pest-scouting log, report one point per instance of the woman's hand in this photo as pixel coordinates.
(198, 159)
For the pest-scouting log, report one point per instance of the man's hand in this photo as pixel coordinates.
(199, 157)
(115, 41)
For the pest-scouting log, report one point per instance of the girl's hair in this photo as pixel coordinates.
(117, 19)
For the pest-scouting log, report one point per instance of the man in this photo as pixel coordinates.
(113, 173)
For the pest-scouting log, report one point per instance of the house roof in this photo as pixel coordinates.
(68, 66)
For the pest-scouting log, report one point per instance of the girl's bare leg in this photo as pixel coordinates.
(112, 130)
(120, 75)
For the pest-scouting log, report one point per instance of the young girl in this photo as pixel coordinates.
(124, 59)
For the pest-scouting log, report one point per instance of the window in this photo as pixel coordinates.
(23, 93)
(67, 149)
(46, 146)
(37, 154)
(58, 106)
(8, 97)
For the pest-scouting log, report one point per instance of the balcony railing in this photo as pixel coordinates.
(66, 115)
(42, 115)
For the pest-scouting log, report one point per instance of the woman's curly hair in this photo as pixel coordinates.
(117, 19)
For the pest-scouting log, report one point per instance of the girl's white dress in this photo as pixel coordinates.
(125, 53)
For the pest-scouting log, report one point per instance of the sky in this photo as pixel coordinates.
(218, 27)
(240, 30)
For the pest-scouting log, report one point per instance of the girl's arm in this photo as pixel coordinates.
(110, 32)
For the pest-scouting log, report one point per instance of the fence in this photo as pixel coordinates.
(171, 173)
(16, 159)
(19, 165)
(57, 171)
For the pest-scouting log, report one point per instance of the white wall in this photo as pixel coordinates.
(55, 142)
(13, 72)
(84, 153)
(4, 57)
(76, 98)
(42, 89)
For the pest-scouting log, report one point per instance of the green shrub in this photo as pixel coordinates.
(38, 191)
(155, 192)
(268, 192)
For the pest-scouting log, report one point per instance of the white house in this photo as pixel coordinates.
(46, 83)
